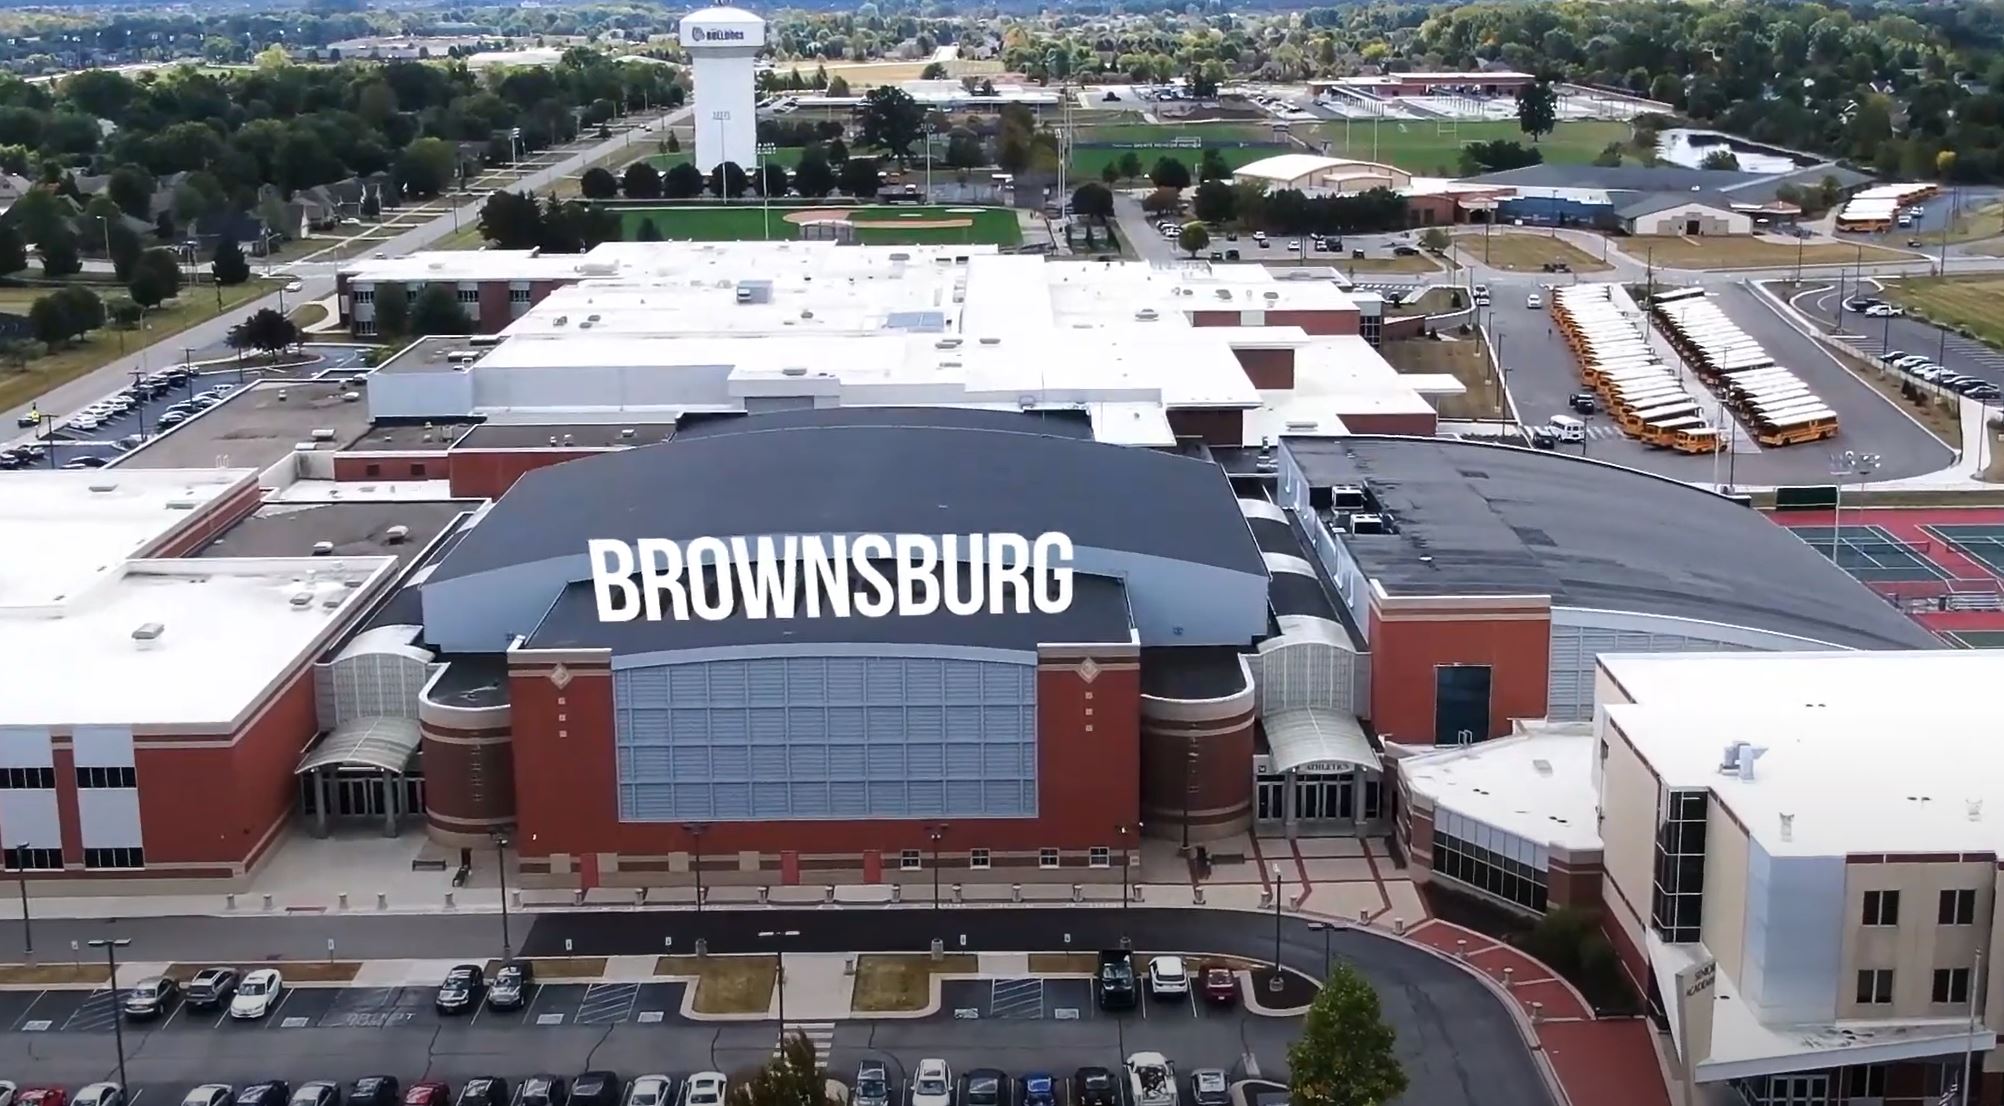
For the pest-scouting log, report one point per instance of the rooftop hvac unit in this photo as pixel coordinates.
(302, 600)
(1347, 497)
(1301, 426)
(1146, 315)
(560, 320)
(794, 370)
(323, 548)
(102, 489)
(1224, 293)
(281, 395)
(484, 340)
(1273, 295)
(324, 434)
(586, 325)
(351, 397)
(148, 633)
(626, 433)
(991, 341)
(331, 602)
(947, 343)
(181, 504)
(395, 535)
(1367, 524)
(592, 318)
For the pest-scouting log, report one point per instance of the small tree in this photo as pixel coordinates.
(1344, 1056)
(1130, 165)
(265, 330)
(860, 177)
(372, 204)
(13, 250)
(775, 181)
(1094, 201)
(812, 175)
(1537, 109)
(792, 1078)
(59, 254)
(674, 144)
(125, 246)
(1721, 158)
(393, 309)
(1214, 202)
(1109, 173)
(512, 221)
(156, 277)
(1435, 239)
(598, 183)
(1170, 173)
(1162, 201)
(648, 232)
(641, 181)
(437, 311)
(229, 266)
(1194, 237)
(728, 180)
(682, 181)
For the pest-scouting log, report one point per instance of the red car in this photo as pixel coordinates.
(42, 1096)
(430, 1092)
(1220, 986)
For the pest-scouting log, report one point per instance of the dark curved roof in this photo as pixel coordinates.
(850, 477)
(1500, 520)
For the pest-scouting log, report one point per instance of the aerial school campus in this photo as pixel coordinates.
(1054, 633)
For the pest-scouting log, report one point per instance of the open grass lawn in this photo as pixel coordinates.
(1526, 253)
(1165, 132)
(725, 984)
(897, 983)
(1463, 359)
(1432, 148)
(750, 222)
(1737, 252)
(1966, 303)
(18, 385)
(1087, 163)
(51, 974)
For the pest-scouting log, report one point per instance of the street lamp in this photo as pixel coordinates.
(1275, 984)
(936, 831)
(27, 923)
(501, 866)
(1847, 463)
(778, 937)
(111, 945)
(766, 150)
(695, 832)
(1325, 927)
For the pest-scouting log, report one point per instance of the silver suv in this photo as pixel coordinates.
(873, 1084)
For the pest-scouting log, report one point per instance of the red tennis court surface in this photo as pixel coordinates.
(1944, 566)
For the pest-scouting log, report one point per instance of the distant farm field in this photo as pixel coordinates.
(877, 225)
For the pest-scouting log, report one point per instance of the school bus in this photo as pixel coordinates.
(1639, 385)
(1698, 439)
(1632, 421)
(1646, 395)
(1802, 425)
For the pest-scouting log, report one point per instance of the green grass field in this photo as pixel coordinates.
(742, 223)
(1964, 302)
(1148, 132)
(1428, 148)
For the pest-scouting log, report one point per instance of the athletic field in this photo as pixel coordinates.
(878, 225)
(1425, 148)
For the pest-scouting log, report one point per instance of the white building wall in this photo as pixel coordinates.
(1794, 936)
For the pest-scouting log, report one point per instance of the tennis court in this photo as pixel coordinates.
(1974, 639)
(1980, 542)
(1872, 554)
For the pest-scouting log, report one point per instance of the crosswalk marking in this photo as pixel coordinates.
(819, 1034)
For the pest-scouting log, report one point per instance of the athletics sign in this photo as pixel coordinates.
(808, 576)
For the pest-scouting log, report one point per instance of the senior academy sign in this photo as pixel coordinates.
(810, 576)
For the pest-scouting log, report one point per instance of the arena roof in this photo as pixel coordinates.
(851, 477)
(1500, 520)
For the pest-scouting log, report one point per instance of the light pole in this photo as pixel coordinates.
(1848, 463)
(695, 832)
(501, 866)
(27, 923)
(765, 150)
(1325, 927)
(1189, 785)
(111, 945)
(935, 831)
(1275, 984)
(778, 938)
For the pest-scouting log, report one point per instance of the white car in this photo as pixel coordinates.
(1152, 1079)
(1883, 311)
(1534, 301)
(295, 285)
(648, 1090)
(257, 994)
(100, 1094)
(84, 422)
(705, 1088)
(1167, 976)
(7, 1090)
(932, 1084)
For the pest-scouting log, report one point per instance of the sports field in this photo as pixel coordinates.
(1964, 302)
(1431, 147)
(879, 225)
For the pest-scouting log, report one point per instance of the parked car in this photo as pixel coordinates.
(99, 1094)
(375, 1090)
(148, 997)
(1405, 251)
(1543, 438)
(511, 985)
(1152, 1079)
(87, 462)
(873, 1084)
(295, 285)
(483, 1090)
(1208, 1088)
(1221, 986)
(542, 1090)
(1586, 403)
(257, 995)
(932, 1084)
(1094, 1086)
(322, 1092)
(429, 1092)
(985, 1087)
(596, 1088)
(1040, 1088)
(28, 418)
(210, 1094)
(1168, 978)
(1116, 980)
(461, 989)
(705, 1088)
(1884, 311)
(42, 1096)
(650, 1090)
(212, 987)
(268, 1092)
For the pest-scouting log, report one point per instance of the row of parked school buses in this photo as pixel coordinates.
(1643, 397)
(1776, 406)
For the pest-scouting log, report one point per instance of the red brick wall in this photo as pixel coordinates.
(565, 786)
(391, 466)
(182, 821)
(494, 316)
(69, 821)
(1407, 326)
(1420, 424)
(1578, 887)
(266, 752)
(1214, 318)
(212, 520)
(1267, 368)
(1216, 425)
(1319, 322)
(487, 473)
(1426, 211)
(1404, 653)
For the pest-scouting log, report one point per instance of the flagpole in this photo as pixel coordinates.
(1969, 1053)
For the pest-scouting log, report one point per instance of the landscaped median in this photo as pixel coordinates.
(901, 983)
(725, 984)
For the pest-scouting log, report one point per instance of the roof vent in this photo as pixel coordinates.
(1273, 295)
(102, 489)
(323, 548)
(1788, 827)
(568, 439)
(395, 535)
(147, 634)
(553, 439)
(1146, 315)
(301, 600)
(991, 341)
(1224, 293)
(180, 504)
(1974, 808)
(1542, 766)
(1729, 760)
(351, 397)
(947, 343)
(794, 370)
(281, 395)
(332, 602)
(324, 434)
(626, 433)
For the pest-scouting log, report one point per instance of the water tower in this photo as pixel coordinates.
(722, 43)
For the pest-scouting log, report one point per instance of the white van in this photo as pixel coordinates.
(1568, 428)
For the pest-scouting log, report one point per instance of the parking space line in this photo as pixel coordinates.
(1191, 994)
(29, 1009)
(271, 1017)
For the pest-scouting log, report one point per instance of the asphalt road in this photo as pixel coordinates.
(1916, 336)
(1460, 1046)
(108, 378)
(1542, 373)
